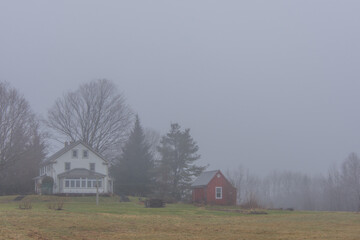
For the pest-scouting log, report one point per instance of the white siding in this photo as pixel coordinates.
(58, 167)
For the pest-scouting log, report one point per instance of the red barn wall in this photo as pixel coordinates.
(228, 191)
(198, 195)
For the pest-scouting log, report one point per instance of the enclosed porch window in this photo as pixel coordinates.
(82, 183)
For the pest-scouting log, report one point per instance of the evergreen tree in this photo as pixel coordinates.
(17, 179)
(176, 168)
(133, 170)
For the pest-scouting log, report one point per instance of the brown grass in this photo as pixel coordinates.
(196, 223)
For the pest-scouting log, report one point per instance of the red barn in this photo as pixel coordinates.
(213, 188)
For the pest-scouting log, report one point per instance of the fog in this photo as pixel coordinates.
(263, 84)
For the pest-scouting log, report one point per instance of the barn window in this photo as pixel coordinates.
(85, 154)
(218, 192)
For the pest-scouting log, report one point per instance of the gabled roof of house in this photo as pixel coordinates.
(80, 173)
(204, 179)
(67, 148)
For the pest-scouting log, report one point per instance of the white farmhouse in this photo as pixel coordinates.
(76, 169)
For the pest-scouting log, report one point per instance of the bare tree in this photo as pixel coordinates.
(16, 122)
(21, 145)
(237, 178)
(95, 113)
(333, 191)
(351, 180)
(251, 189)
(152, 138)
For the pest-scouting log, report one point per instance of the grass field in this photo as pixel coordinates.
(82, 219)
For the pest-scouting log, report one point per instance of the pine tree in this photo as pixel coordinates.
(176, 168)
(133, 170)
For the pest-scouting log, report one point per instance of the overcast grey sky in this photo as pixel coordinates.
(266, 84)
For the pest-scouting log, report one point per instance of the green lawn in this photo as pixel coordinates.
(82, 219)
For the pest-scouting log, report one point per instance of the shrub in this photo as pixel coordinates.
(25, 204)
(57, 204)
(124, 198)
(251, 203)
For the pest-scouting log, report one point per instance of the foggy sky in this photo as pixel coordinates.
(265, 84)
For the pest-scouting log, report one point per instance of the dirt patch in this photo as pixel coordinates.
(36, 235)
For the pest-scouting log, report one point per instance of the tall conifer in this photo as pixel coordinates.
(133, 171)
(177, 168)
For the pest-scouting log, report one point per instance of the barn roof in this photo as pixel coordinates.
(204, 179)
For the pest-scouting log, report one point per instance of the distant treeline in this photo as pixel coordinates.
(339, 190)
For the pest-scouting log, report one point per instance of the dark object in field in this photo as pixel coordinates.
(258, 212)
(281, 209)
(124, 198)
(19, 198)
(242, 211)
(154, 203)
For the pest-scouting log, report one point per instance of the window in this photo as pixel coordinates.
(75, 183)
(82, 183)
(74, 153)
(92, 166)
(78, 183)
(218, 192)
(85, 154)
(67, 166)
(98, 183)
